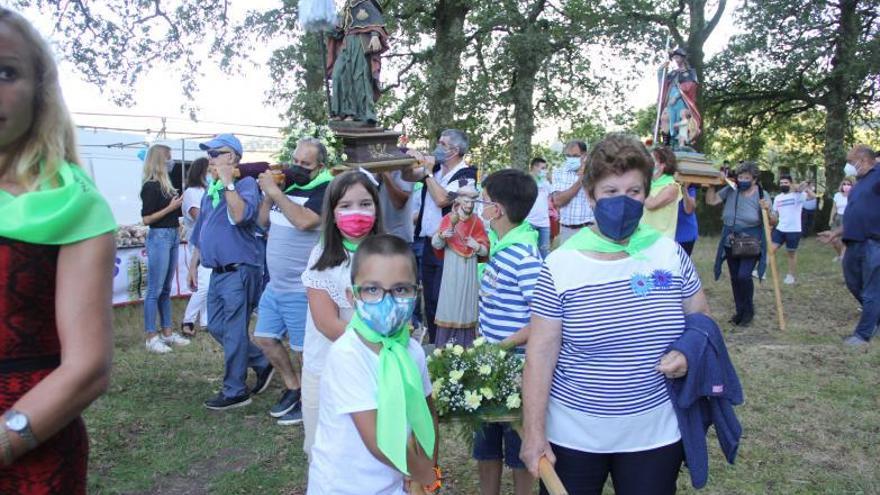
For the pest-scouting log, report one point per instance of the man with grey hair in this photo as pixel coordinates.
(861, 234)
(293, 217)
(444, 168)
(568, 191)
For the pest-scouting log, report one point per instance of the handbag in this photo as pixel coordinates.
(743, 245)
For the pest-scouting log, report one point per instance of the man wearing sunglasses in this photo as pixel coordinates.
(225, 241)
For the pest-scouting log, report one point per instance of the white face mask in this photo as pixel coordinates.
(850, 170)
(572, 163)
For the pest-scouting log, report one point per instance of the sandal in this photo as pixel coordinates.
(188, 330)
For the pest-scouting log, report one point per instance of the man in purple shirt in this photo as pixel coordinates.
(224, 239)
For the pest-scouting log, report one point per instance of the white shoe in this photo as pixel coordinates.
(174, 339)
(155, 345)
(789, 279)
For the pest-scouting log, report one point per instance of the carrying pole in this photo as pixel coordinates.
(323, 44)
(774, 271)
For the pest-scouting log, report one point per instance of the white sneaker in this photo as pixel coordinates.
(174, 339)
(789, 279)
(155, 345)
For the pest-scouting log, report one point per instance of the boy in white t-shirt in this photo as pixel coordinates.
(375, 425)
(787, 207)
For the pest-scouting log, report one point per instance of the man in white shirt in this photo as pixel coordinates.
(445, 166)
(539, 216)
(568, 192)
(788, 207)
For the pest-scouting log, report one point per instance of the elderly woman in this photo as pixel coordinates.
(742, 217)
(607, 305)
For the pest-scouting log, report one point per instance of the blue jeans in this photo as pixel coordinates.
(861, 269)
(543, 241)
(741, 282)
(162, 245)
(232, 297)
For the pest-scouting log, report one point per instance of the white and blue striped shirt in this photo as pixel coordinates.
(506, 291)
(618, 318)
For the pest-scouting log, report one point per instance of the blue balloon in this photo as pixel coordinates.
(142, 154)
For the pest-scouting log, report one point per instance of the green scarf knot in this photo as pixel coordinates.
(523, 233)
(588, 240)
(214, 191)
(324, 177)
(401, 396)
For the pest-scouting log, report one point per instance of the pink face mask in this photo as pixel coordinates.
(846, 188)
(355, 223)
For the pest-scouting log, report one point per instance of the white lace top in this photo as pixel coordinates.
(334, 281)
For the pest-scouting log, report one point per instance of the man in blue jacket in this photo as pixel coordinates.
(225, 241)
(861, 234)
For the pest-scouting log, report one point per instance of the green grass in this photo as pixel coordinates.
(811, 418)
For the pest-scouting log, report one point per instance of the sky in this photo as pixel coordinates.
(158, 95)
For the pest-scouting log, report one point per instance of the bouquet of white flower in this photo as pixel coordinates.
(321, 132)
(482, 382)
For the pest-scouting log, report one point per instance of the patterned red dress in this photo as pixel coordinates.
(29, 351)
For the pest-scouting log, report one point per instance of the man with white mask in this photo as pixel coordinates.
(568, 192)
(861, 234)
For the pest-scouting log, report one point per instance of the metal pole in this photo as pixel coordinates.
(323, 45)
(660, 95)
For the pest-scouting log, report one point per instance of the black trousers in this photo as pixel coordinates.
(432, 274)
(650, 472)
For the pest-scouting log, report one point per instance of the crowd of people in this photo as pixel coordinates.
(620, 354)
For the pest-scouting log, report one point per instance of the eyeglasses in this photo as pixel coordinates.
(216, 153)
(375, 293)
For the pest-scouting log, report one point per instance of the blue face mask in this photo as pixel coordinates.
(743, 185)
(442, 155)
(572, 163)
(386, 316)
(618, 217)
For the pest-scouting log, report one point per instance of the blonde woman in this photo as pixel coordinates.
(56, 276)
(160, 211)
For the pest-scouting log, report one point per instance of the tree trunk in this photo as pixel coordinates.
(836, 118)
(444, 67)
(523, 92)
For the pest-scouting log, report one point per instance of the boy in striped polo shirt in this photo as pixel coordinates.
(506, 290)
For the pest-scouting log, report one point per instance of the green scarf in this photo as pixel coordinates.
(350, 246)
(662, 181)
(587, 240)
(70, 212)
(324, 177)
(214, 191)
(401, 396)
(523, 233)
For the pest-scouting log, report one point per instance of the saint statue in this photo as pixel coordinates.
(355, 61)
(678, 101)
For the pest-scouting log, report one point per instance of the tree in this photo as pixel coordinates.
(796, 58)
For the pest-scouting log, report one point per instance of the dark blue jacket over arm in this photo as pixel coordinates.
(705, 395)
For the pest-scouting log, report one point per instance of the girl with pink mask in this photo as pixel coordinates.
(350, 214)
(840, 200)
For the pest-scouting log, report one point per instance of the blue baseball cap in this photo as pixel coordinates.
(221, 140)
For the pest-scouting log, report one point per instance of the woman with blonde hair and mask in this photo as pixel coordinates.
(56, 276)
(161, 212)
